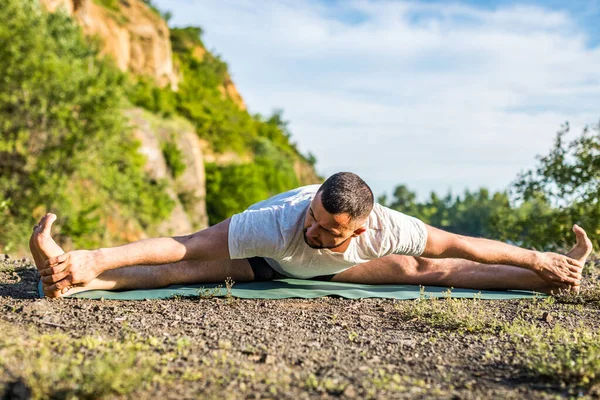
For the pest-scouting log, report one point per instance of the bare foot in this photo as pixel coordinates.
(583, 247)
(42, 245)
(581, 250)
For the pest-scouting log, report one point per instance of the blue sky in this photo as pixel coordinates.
(435, 95)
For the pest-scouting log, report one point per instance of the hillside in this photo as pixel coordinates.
(126, 128)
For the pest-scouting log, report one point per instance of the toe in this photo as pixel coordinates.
(42, 220)
(47, 224)
(579, 232)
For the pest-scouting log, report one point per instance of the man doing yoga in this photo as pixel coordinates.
(332, 231)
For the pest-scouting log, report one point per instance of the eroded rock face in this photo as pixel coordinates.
(230, 90)
(191, 185)
(133, 34)
(188, 190)
(54, 5)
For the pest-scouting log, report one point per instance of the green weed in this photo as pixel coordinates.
(563, 354)
(464, 315)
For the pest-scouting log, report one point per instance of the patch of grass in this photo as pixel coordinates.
(563, 354)
(590, 287)
(464, 315)
(209, 293)
(56, 365)
(382, 379)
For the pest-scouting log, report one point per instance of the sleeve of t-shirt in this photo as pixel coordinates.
(254, 233)
(405, 234)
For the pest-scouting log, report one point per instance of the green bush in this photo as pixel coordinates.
(231, 189)
(564, 189)
(174, 158)
(146, 94)
(64, 143)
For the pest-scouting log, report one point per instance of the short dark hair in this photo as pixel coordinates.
(347, 193)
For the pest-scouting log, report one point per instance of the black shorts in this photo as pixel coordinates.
(264, 272)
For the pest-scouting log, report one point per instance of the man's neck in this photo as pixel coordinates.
(342, 247)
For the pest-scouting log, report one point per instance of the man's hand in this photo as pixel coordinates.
(75, 268)
(558, 269)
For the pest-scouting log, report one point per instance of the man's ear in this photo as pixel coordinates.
(359, 231)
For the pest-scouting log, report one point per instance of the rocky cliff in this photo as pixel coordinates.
(187, 190)
(138, 39)
(130, 32)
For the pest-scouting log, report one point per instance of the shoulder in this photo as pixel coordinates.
(390, 231)
(290, 198)
(383, 216)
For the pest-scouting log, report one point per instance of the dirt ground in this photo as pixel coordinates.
(300, 349)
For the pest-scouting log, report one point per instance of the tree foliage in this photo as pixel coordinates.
(227, 127)
(64, 144)
(565, 186)
(232, 188)
(564, 189)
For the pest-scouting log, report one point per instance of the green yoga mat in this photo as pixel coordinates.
(306, 289)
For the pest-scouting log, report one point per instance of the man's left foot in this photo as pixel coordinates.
(581, 250)
(583, 247)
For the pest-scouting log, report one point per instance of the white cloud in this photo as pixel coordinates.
(434, 96)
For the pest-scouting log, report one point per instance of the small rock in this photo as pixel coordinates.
(547, 317)
(350, 392)
(17, 390)
(225, 344)
(269, 359)
(38, 308)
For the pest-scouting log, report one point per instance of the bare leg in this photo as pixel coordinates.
(42, 247)
(458, 273)
(156, 276)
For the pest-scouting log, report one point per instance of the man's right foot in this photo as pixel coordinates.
(42, 246)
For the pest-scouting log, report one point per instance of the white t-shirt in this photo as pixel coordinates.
(274, 229)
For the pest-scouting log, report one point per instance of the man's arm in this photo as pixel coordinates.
(82, 266)
(551, 267)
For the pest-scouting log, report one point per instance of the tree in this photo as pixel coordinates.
(567, 183)
(64, 142)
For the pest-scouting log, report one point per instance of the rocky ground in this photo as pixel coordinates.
(300, 349)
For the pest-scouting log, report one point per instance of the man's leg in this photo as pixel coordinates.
(42, 247)
(458, 273)
(180, 273)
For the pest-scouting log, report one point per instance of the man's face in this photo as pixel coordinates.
(323, 230)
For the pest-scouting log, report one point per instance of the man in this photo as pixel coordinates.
(333, 231)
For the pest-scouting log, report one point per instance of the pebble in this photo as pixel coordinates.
(547, 317)
(350, 392)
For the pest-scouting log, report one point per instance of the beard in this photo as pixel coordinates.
(320, 247)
